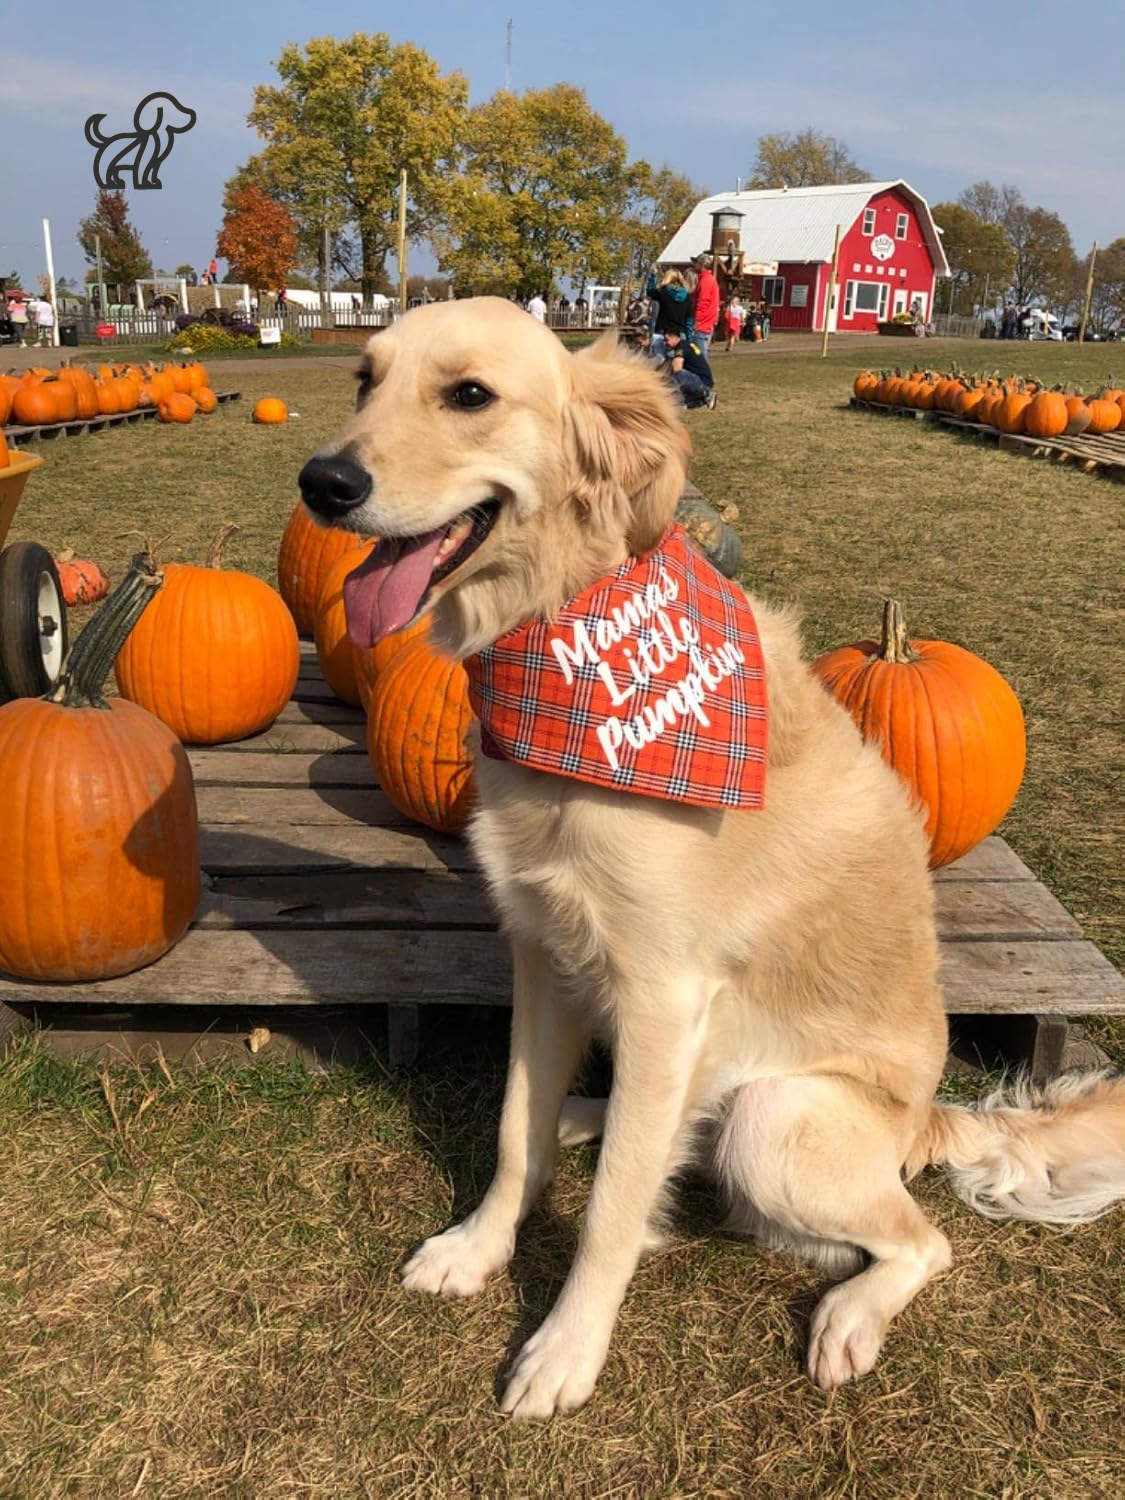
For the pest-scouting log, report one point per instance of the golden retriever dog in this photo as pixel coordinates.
(766, 979)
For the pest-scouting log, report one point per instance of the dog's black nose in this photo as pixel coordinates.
(333, 486)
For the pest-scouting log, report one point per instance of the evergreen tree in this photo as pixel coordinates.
(124, 258)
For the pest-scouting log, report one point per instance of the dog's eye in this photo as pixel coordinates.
(470, 396)
(364, 384)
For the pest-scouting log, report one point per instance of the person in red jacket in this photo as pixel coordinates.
(705, 313)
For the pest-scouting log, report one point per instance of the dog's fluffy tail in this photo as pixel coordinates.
(1055, 1154)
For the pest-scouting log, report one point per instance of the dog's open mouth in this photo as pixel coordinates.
(384, 592)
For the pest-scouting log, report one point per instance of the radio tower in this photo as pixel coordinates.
(508, 61)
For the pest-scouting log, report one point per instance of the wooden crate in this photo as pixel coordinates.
(318, 893)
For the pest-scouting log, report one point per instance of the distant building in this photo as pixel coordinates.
(776, 247)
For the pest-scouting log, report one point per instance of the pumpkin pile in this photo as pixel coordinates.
(98, 807)
(216, 656)
(1011, 405)
(75, 393)
(945, 719)
(308, 550)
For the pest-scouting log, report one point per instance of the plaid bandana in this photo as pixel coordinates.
(651, 681)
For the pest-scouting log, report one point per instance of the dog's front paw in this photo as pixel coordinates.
(556, 1371)
(845, 1337)
(456, 1263)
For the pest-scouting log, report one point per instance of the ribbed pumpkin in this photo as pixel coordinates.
(1105, 416)
(369, 664)
(334, 650)
(944, 719)
(270, 411)
(85, 390)
(1046, 416)
(39, 400)
(7, 391)
(81, 581)
(177, 408)
(180, 376)
(216, 657)
(865, 385)
(307, 552)
(205, 398)
(5, 454)
(416, 726)
(1012, 411)
(98, 809)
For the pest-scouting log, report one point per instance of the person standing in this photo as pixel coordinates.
(213, 272)
(44, 322)
(673, 306)
(705, 305)
(17, 312)
(537, 308)
(735, 314)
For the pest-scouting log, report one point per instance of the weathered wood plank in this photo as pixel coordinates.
(992, 859)
(996, 909)
(298, 739)
(354, 967)
(1027, 978)
(350, 898)
(266, 768)
(329, 711)
(314, 689)
(306, 850)
(275, 808)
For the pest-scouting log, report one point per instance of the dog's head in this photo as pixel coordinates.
(162, 111)
(502, 474)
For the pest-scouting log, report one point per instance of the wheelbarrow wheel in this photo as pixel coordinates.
(33, 635)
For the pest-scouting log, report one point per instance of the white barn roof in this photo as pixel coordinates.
(794, 224)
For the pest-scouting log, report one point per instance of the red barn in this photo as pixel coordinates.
(890, 251)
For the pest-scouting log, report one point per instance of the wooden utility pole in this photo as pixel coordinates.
(831, 293)
(325, 279)
(1089, 295)
(402, 242)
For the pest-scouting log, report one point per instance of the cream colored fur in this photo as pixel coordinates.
(766, 980)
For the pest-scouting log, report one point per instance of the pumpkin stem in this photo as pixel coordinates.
(89, 661)
(216, 547)
(894, 645)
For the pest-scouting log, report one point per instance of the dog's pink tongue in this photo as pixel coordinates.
(385, 590)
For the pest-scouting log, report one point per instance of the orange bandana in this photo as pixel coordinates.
(650, 681)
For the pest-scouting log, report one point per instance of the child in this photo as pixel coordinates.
(735, 314)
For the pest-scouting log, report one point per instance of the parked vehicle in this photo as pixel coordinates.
(1037, 324)
(1070, 333)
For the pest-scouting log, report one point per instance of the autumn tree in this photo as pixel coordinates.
(258, 238)
(657, 203)
(539, 195)
(1107, 304)
(1044, 263)
(980, 258)
(124, 258)
(803, 158)
(346, 118)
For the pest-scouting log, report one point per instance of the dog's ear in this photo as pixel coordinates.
(628, 447)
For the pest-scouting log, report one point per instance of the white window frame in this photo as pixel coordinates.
(880, 309)
(902, 226)
(869, 221)
(773, 291)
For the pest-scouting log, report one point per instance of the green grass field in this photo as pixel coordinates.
(198, 1288)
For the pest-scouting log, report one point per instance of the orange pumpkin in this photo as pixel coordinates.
(865, 385)
(944, 719)
(1046, 416)
(37, 401)
(416, 726)
(1077, 416)
(109, 397)
(198, 376)
(1105, 416)
(160, 387)
(177, 408)
(1010, 415)
(334, 649)
(271, 411)
(180, 376)
(5, 453)
(205, 398)
(307, 552)
(369, 664)
(81, 581)
(6, 393)
(85, 390)
(216, 657)
(98, 808)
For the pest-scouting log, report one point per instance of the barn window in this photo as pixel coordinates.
(902, 224)
(869, 221)
(773, 290)
(866, 297)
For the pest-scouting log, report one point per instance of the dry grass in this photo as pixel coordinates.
(198, 1297)
(197, 1269)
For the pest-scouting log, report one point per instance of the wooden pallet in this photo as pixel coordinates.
(83, 425)
(318, 893)
(1103, 453)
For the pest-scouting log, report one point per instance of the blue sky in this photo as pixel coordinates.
(942, 96)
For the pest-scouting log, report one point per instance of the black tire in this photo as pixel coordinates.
(718, 542)
(33, 633)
